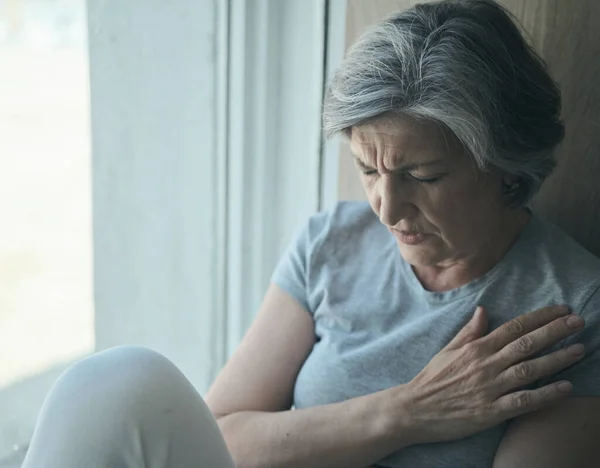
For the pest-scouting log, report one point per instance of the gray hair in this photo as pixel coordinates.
(465, 65)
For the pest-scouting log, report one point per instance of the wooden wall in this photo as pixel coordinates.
(567, 35)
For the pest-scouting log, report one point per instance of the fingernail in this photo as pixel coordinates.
(575, 321)
(576, 350)
(565, 387)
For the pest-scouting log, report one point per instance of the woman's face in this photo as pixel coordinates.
(428, 192)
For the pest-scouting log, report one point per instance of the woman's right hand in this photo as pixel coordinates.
(472, 384)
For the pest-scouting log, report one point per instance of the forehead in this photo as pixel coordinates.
(401, 137)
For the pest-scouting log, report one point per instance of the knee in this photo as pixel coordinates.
(121, 380)
(121, 360)
(120, 364)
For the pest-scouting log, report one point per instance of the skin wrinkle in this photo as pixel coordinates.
(454, 252)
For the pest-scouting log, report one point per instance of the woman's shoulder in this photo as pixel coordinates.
(345, 215)
(559, 249)
(348, 226)
(331, 250)
(556, 265)
(570, 274)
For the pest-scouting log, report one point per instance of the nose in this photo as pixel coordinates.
(395, 203)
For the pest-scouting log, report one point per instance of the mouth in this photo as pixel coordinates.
(409, 237)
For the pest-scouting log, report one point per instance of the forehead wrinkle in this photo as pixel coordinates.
(365, 151)
(377, 151)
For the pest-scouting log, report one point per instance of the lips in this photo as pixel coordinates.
(409, 237)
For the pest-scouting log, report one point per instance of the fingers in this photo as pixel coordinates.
(518, 403)
(474, 329)
(540, 339)
(527, 372)
(522, 325)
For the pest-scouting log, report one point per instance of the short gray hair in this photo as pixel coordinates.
(465, 65)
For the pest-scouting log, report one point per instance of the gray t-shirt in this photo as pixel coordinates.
(377, 327)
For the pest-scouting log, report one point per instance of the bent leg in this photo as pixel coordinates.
(126, 407)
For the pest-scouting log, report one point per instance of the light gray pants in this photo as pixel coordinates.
(126, 407)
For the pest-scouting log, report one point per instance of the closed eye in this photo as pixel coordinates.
(425, 180)
(366, 170)
(369, 171)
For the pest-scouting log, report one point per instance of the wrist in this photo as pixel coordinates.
(398, 422)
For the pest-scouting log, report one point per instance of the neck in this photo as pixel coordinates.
(457, 272)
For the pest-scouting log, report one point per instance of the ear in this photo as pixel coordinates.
(508, 180)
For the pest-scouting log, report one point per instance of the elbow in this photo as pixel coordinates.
(219, 416)
(236, 432)
(223, 421)
(229, 426)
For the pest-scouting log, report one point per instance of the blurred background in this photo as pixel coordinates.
(151, 174)
(46, 304)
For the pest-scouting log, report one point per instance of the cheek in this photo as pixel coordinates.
(454, 200)
(475, 201)
(461, 212)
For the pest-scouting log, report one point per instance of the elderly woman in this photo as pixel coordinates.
(394, 333)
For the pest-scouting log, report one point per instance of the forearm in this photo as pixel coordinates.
(352, 434)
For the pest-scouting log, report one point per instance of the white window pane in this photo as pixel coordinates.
(46, 308)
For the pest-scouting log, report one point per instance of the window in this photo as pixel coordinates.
(205, 160)
(46, 307)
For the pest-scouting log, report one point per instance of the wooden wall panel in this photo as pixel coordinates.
(567, 35)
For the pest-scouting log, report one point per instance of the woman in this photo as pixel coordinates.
(395, 329)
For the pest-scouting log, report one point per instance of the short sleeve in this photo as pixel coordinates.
(585, 375)
(291, 273)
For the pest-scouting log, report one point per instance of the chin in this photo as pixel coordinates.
(419, 255)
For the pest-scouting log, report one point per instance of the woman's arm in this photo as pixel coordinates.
(564, 436)
(252, 396)
(568, 434)
(463, 390)
(350, 434)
